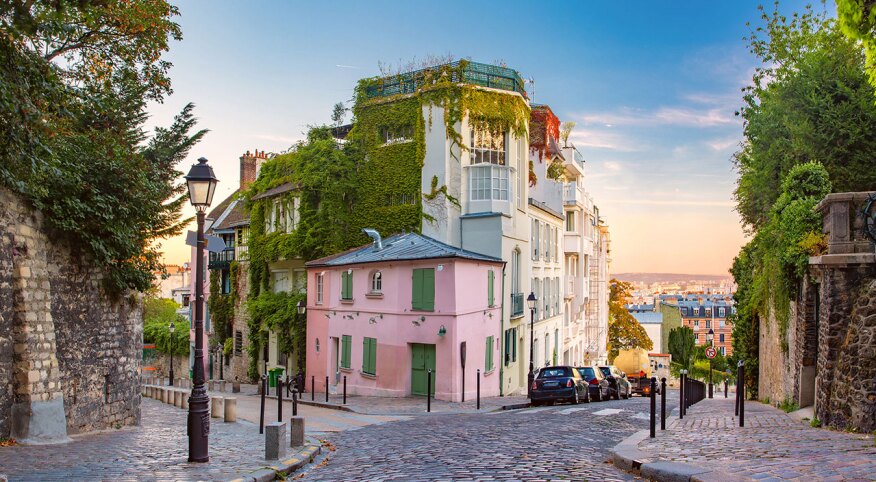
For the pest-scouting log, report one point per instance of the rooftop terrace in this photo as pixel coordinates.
(466, 72)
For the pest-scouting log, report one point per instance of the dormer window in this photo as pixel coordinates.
(283, 217)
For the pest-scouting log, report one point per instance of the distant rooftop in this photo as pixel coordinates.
(476, 73)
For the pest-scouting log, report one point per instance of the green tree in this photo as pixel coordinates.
(624, 331)
(681, 346)
(158, 313)
(857, 18)
(810, 100)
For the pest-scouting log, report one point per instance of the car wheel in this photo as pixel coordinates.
(577, 399)
(598, 396)
(617, 394)
(534, 403)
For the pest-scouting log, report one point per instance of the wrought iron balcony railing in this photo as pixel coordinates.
(221, 259)
(516, 304)
(485, 75)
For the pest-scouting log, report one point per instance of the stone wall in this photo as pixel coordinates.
(239, 361)
(69, 355)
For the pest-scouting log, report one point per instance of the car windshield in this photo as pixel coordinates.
(554, 372)
(587, 372)
(605, 371)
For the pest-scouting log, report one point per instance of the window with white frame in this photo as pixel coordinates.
(376, 282)
(515, 271)
(570, 221)
(722, 312)
(319, 288)
(489, 183)
(280, 281)
(535, 235)
(487, 147)
(548, 301)
(283, 217)
(547, 242)
(522, 175)
(397, 134)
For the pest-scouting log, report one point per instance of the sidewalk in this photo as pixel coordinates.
(156, 450)
(709, 445)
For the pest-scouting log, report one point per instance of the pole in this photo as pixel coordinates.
(710, 378)
(295, 402)
(279, 399)
(681, 396)
(479, 389)
(531, 350)
(326, 388)
(463, 384)
(663, 403)
(429, 390)
(221, 364)
(312, 387)
(725, 388)
(345, 389)
(199, 415)
(653, 406)
(741, 394)
(170, 382)
(264, 391)
(737, 393)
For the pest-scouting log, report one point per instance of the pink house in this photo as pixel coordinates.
(385, 314)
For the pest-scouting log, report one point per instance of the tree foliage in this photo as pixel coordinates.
(624, 331)
(74, 81)
(681, 346)
(158, 313)
(809, 101)
(857, 18)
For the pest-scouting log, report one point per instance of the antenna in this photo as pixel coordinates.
(531, 90)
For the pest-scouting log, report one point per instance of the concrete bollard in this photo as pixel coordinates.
(296, 438)
(177, 398)
(168, 395)
(275, 440)
(216, 407)
(159, 394)
(230, 409)
(222, 386)
(210, 385)
(185, 400)
(235, 387)
(148, 391)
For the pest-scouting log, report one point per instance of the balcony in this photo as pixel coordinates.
(572, 243)
(572, 194)
(485, 75)
(221, 260)
(516, 305)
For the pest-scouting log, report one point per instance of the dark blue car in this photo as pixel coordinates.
(558, 384)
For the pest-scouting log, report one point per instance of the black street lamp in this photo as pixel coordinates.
(710, 337)
(201, 184)
(302, 307)
(170, 329)
(530, 302)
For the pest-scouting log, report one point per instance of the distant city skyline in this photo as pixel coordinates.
(653, 89)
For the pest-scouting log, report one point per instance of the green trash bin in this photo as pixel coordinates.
(273, 375)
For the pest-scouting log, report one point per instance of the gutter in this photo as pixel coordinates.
(502, 334)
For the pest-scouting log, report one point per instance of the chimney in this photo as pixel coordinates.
(250, 164)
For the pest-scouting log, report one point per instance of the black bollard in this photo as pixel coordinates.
(663, 403)
(279, 399)
(326, 388)
(264, 391)
(741, 394)
(294, 403)
(725, 388)
(288, 386)
(681, 396)
(736, 412)
(479, 389)
(312, 388)
(345, 389)
(653, 406)
(429, 390)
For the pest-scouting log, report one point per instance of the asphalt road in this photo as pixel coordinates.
(562, 442)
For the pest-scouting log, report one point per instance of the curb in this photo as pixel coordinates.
(285, 467)
(344, 408)
(628, 457)
(515, 406)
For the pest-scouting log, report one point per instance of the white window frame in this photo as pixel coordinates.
(376, 282)
(488, 147)
(489, 183)
(319, 288)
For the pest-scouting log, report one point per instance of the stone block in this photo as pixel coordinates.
(235, 387)
(210, 386)
(222, 386)
(185, 400)
(275, 440)
(177, 398)
(296, 437)
(216, 409)
(230, 409)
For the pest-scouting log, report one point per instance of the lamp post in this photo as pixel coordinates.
(710, 337)
(170, 329)
(530, 302)
(201, 185)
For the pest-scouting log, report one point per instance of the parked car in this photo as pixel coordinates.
(596, 382)
(558, 383)
(617, 381)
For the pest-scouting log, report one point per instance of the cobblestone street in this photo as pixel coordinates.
(156, 451)
(545, 443)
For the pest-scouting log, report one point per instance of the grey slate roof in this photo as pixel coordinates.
(648, 318)
(400, 247)
(275, 191)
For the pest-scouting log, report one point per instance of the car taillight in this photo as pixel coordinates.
(534, 385)
(569, 384)
(594, 382)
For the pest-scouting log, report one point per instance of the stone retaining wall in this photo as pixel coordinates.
(69, 354)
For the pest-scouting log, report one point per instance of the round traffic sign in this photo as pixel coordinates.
(711, 352)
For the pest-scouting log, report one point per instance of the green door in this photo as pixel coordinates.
(422, 359)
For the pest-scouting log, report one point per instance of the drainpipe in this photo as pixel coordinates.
(502, 336)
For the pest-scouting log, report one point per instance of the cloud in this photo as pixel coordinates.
(342, 66)
(678, 116)
(723, 144)
(612, 165)
(282, 139)
(672, 202)
(597, 139)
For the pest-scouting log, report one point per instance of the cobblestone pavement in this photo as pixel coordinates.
(415, 405)
(158, 450)
(546, 443)
(772, 445)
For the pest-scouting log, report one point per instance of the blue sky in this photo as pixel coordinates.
(653, 87)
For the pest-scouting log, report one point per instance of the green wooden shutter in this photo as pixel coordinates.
(507, 347)
(369, 355)
(490, 299)
(346, 346)
(417, 290)
(429, 289)
(489, 354)
(514, 345)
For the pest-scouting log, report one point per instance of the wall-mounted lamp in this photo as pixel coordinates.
(442, 331)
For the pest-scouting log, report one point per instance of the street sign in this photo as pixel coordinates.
(711, 352)
(213, 244)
